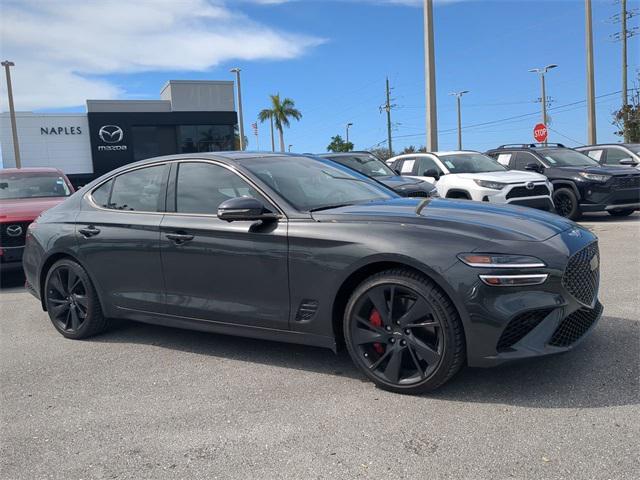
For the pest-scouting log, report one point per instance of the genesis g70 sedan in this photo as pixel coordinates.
(301, 249)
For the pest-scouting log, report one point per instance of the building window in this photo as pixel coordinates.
(205, 138)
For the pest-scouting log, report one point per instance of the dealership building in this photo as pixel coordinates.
(190, 116)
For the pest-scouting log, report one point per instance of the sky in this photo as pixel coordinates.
(331, 57)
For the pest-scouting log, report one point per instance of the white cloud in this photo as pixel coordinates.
(62, 48)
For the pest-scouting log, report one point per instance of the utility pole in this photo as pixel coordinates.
(12, 113)
(458, 96)
(387, 106)
(430, 79)
(348, 125)
(591, 100)
(236, 70)
(543, 87)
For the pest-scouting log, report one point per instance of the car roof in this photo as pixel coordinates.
(453, 152)
(344, 154)
(32, 170)
(595, 145)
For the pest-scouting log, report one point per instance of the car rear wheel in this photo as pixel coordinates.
(403, 332)
(72, 302)
(621, 213)
(566, 203)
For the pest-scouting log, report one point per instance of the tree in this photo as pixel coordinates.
(627, 118)
(279, 114)
(339, 145)
(382, 153)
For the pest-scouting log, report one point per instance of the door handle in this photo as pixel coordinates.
(89, 231)
(179, 238)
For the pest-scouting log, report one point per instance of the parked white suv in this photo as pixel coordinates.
(474, 176)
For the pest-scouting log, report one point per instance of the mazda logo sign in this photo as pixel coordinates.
(529, 185)
(110, 134)
(14, 230)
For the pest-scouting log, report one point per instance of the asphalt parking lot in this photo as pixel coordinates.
(150, 402)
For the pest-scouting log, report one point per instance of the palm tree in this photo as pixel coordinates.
(279, 113)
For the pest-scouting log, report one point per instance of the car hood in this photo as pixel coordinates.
(509, 176)
(459, 217)
(26, 209)
(398, 181)
(603, 170)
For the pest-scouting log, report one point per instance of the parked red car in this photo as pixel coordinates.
(24, 194)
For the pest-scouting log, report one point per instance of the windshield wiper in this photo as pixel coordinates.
(329, 207)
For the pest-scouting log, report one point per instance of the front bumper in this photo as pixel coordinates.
(11, 258)
(538, 197)
(601, 198)
(508, 323)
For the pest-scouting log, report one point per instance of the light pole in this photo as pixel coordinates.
(431, 113)
(290, 147)
(348, 125)
(542, 71)
(458, 96)
(236, 70)
(12, 113)
(591, 95)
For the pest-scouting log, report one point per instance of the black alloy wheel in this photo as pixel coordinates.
(566, 203)
(71, 301)
(403, 332)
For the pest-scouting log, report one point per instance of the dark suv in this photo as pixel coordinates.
(580, 183)
(368, 164)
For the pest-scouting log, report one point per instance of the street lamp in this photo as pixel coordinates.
(348, 125)
(458, 96)
(12, 113)
(541, 71)
(236, 70)
(290, 147)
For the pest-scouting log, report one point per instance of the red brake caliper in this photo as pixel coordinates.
(376, 320)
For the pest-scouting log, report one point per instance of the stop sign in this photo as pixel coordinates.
(540, 132)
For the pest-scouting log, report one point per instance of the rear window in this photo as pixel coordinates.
(139, 190)
(32, 185)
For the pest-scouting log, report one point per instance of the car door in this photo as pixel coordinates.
(425, 165)
(232, 272)
(615, 154)
(118, 234)
(524, 159)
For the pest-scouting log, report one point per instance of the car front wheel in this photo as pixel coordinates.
(72, 302)
(403, 332)
(566, 203)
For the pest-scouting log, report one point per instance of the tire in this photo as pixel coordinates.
(621, 213)
(566, 203)
(421, 338)
(72, 302)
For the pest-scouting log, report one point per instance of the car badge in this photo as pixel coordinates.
(14, 230)
(529, 185)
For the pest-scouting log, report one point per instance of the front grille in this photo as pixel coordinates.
(573, 327)
(630, 181)
(8, 236)
(520, 327)
(582, 274)
(417, 193)
(537, 190)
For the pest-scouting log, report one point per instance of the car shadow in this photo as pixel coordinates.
(603, 371)
(604, 217)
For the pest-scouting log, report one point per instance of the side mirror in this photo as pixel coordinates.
(534, 167)
(432, 172)
(244, 209)
(628, 161)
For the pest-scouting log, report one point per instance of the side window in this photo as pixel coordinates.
(614, 155)
(523, 159)
(503, 158)
(595, 154)
(101, 194)
(139, 190)
(201, 187)
(407, 165)
(426, 163)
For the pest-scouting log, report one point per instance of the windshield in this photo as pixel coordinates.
(312, 184)
(568, 158)
(32, 185)
(365, 164)
(470, 163)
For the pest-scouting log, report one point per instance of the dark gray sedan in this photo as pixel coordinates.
(301, 249)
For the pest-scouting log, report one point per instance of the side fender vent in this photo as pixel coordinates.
(307, 310)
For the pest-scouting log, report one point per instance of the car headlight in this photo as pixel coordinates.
(491, 185)
(490, 260)
(595, 177)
